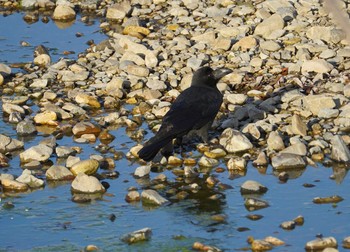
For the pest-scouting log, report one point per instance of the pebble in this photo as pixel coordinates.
(39, 153)
(254, 204)
(321, 243)
(87, 184)
(287, 161)
(234, 141)
(340, 151)
(137, 236)
(252, 187)
(142, 171)
(13, 185)
(152, 197)
(88, 166)
(58, 173)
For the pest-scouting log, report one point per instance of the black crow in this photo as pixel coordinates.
(193, 110)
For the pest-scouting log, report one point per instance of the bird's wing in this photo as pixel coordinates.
(192, 109)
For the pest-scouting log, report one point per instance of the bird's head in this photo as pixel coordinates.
(206, 76)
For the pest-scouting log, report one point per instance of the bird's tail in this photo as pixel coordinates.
(152, 147)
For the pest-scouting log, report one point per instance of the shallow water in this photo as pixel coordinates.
(47, 219)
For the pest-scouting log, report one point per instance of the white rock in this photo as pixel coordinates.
(87, 184)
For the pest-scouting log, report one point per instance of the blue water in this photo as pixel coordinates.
(47, 219)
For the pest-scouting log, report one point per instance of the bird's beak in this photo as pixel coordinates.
(221, 72)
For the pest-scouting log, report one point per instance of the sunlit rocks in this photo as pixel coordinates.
(25, 128)
(327, 200)
(340, 151)
(137, 236)
(251, 186)
(270, 28)
(234, 141)
(207, 162)
(321, 243)
(346, 242)
(46, 118)
(215, 153)
(39, 153)
(85, 128)
(13, 185)
(86, 184)
(252, 204)
(63, 13)
(88, 167)
(59, 173)
(261, 245)
(8, 144)
(152, 197)
(83, 98)
(237, 163)
(142, 171)
(27, 178)
(287, 161)
(132, 196)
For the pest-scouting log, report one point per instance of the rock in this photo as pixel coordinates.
(46, 118)
(261, 160)
(136, 31)
(327, 200)
(83, 98)
(118, 11)
(315, 103)
(261, 245)
(340, 151)
(8, 144)
(63, 13)
(25, 128)
(42, 60)
(317, 66)
(152, 197)
(254, 204)
(288, 225)
(71, 160)
(215, 153)
(137, 236)
(298, 149)
(89, 167)
(13, 185)
(275, 141)
(234, 141)
(85, 128)
(237, 99)
(207, 162)
(287, 161)
(270, 26)
(142, 171)
(9, 108)
(270, 46)
(38, 152)
(132, 196)
(27, 178)
(298, 126)
(245, 44)
(70, 76)
(251, 186)
(238, 163)
(59, 172)
(325, 33)
(321, 243)
(346, 242)
(86, 184)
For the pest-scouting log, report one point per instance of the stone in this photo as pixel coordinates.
(70, 76)
(261, 245)
(152, 197)
(86, 184)
(142, 171)
(340, 151)
(215, 153)
(207, 162)
(284, 161)
(317, 66)
(42, 60)
(9, 108)
(251, 186)
(267, 28)
(58, 173)
(234, 141)
(38, 152)
(298, 126)
(85, 128)
(261, 160)
(137, 236)
(83, 98)
(315, 103)
(325, 33)
(245, 44)
(118, 11)
(13, 185)
(25, 128)
(27, 178)
(64, 151)
(63, 13)
(275, 141)
(8, 144)
(46, 118)
(298, 149)
(238, 163)
(237, 99)
(132, 196)
(320, 244)
(88, 166)
(328, 113)
(270, 46)
(255, 204)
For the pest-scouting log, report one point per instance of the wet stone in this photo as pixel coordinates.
(252, 204)
(234, 141)
(39, 152)
(87, 184)
(152, 197)
(132, 196)
(321, 243)
(238, 163)
(137, 236)
(13, 185)
(287, 161)
(340, 151)
(142, 171)
(89, 167)
(327, 200)
(58, 172)
(346, 242)
(288, 225)
(27, 178)
(261, 245)
(251, 186)
(25, 128)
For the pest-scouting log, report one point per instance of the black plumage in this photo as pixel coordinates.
(193, 110)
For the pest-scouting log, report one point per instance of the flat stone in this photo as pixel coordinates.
(251, 186)
(298, 149)
(137, 236)
(86, 184)
(13, 185)
(46, 118)
(340, 151)
(316, 65)
(321, 244)
(38, 152)
(152, 197)
(283, 161)
(317, 102)
(85, 128)
(268, 26)
(27, 178)
(59, 173)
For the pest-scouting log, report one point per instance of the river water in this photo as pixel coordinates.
(47, 219)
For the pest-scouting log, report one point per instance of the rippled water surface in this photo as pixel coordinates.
(47, 219)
